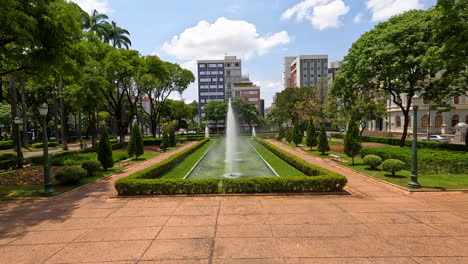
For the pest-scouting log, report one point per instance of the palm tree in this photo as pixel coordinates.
(117, 35)
(96, 23)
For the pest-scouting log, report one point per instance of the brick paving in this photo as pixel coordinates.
(375, 224)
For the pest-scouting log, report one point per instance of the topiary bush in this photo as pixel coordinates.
(70, 175)
(352, 143)
(105, 151)
(289, 135)
(373, 161)
(281, 133)
(393, 166)
(135, 145)
(91, 166)
(6, 144)
(311, 135)
(323, 141)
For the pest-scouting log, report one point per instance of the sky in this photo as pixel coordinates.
(260, 32)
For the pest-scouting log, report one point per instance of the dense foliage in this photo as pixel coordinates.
(352, 141)
(373, 161)
(105, 151)
(70, 175)
(323, 141)
(135, 145)
(393, 166)
(91, 166)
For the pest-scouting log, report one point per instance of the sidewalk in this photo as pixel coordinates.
(377, 224)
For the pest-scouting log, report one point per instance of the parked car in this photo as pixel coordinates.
(437, 138)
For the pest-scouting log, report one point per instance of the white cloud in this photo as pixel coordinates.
(102, 6)
(268, 89)
(358, 18)
(322, 14)
(383, 9)
(209, 41)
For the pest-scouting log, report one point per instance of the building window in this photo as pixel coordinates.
(425, 121)
(438, 121)
(398, 121)
(221, 79)
(202, 73)
(456, 100)
(220, 65)
(455, 120)
(220, 86)
(212, 65)
(252, 100)
(202, 65)
(237, 64)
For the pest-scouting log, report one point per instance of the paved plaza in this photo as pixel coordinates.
(374, 223)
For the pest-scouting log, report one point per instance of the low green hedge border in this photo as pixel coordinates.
(409, 142)
(41, 145)
(6, 144)
(146, 182)
(298, 163)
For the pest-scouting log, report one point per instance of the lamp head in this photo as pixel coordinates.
(16, 120)
(43, 109)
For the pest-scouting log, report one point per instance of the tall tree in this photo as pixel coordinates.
(246, 112)
(158, 87)
(96, 23)
(215, 111)
(105, 150)
(389, 59)
(118, 36)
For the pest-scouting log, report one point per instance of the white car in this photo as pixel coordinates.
(437, 138)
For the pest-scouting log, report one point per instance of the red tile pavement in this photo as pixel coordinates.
(376, 224)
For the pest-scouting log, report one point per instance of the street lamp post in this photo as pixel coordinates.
(19, 154)
(48, 188)
(414, 161)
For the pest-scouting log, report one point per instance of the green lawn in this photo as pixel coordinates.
(179, 171)
(280, 166)
(427, 181)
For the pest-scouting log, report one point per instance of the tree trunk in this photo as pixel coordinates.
(1, 90)
(405, 129)
(63, 118)
(56, 119)
(14, 114)
(79, 127)
(25, 117)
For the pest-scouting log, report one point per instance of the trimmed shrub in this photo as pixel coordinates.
(297, 134)
(323, 141)
(281, 133)
(135, 145)
(182, 140)
(429, 161)
(289, 135)
(172, 138)
(311, 135)
(195, 137)
(41, 145)
(6, 144)
(352, 143)
(373, 161)
(393, 166)
(91, 166)
(105, 151)
(284, 184)
(152, 141)
(70, 175)
(166, 138)
(10, 164)
(127, 186)
(7, 156)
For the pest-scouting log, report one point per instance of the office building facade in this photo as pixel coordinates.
(305, 71)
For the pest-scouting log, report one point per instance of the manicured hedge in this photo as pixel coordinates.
(429, 161)
(324, 183)
(7, 155)
(136, 186)
(147, 182)
(41, 145)
(194, 137)
(409, 142)
(298, 163)
(152, 141)
(6, 144)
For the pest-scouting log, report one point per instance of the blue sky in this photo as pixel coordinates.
(261, 32)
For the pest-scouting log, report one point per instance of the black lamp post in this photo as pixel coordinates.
(19, 153)
(48, 187)
(414, 161)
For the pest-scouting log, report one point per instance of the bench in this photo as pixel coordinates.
(336, 157)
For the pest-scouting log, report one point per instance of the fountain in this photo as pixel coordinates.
(207, 131)
(253, 132)
(230, 157)
(231, 144)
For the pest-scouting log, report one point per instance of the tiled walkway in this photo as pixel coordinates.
(376, 224)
